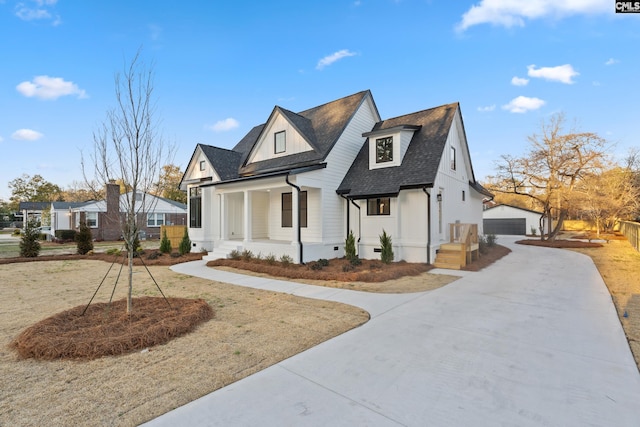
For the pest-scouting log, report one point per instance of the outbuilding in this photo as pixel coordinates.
(510, 220)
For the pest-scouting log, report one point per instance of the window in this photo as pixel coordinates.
(202, 165)
(464, 196)
(379, 206)
(453, 158)
(280, 142)
(92, 219)
(287, 209)
(195, 207)
(384, 149)
(155, 219)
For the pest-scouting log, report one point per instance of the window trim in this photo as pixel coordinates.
(202, 165)
(86, 218)
(379, 142)
(379, 206)
(275, 142)
(155, 216)
(195, 207)
(286, 220)
(452, 153)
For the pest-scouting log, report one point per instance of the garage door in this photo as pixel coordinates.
(517, 226)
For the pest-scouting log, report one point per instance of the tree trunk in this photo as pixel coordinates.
(558, 227)
(130, 291)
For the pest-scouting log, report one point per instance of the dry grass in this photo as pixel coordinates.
(252, 330)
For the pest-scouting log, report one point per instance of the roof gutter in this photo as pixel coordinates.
(269, 175)
(299, 231)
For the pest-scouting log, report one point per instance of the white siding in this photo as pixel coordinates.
(510, 212)
(193, 171)
(401, 141)
(338, 163)
(265, 148)
(260, 215)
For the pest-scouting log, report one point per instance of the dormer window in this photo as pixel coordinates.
(280, 142)
(453, 158)
(384, 149)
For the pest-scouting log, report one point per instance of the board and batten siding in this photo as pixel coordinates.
(339, 161)
(260, 215)
(456, 206)
(265, 148)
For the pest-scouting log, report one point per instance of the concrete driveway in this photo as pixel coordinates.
(533, 340)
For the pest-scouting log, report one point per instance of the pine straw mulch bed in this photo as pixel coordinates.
(105, 329)
(370, 276)
(149, 257)
(367, 271)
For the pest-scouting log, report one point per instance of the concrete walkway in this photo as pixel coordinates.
(533, 340)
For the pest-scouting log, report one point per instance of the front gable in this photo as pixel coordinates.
(199, 169)
(284, 134)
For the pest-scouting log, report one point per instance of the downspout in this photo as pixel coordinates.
(428, 224)
(286, 179)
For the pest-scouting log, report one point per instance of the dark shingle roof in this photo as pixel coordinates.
(321, 126)
(420, 163)
(225, 162)
(34, 206)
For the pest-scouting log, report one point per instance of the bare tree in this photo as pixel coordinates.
(129, 149)
(549, 171)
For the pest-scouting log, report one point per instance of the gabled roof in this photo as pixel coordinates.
(321, 126)
(420, 163)
(34, 206)
(68, 205)
(225, 162)
(513, 207)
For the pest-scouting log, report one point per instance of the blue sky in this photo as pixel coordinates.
(221, 67)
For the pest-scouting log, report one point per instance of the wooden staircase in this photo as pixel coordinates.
(462, 248)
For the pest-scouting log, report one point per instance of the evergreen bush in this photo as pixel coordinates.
(350, 246)
(185, 243)
(165, 243)
(387, 249)
(29, 244)
(84, 239)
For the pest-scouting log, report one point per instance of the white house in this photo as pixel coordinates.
(298, 183)
(510, 220)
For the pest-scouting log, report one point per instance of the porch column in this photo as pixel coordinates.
(295, 220)
(247, 216)
(223, 217)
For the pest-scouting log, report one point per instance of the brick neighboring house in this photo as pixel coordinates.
(103, 216)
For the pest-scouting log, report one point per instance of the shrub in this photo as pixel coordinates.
(491, 240)
(534, 231)
(165, 243)
(347, 267)
(84, 240)
(355, 261)
(16, 232)
(234, 255)
(113, 251)
(174, 255)
(270, 259)
(286, 260)
(185, 243)
(29, 245)
(154, 255)
(387, 249)
(316, 266)
(350, 246)
(66, 235)
(246, 255)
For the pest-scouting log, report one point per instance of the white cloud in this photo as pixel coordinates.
(1, 139)
(519, 81)
(487, 108)
(330, 59)
(561, 73)
(31, 10)
(225, 125)
(26, 135)
(155, 31)
(611, 61)
(522, 104)
(45, 87)
(513, 13)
